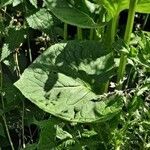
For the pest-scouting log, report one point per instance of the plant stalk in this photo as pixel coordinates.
(128, 31)
(79, 33)
(118, 147)
(114, 25)
(29, 49)
(65, 31)
(91, 34)
(145, 21)
(3, 106)
(23, 111)
(112, 33)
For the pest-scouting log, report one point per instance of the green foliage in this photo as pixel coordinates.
(13, 40)
(114, 7)
(143, 6)
(5, 2)
(47, 135)
(34, 3)
(59, 67)
(68, 80)
(74, 17)
(16, 2)
(40, 19)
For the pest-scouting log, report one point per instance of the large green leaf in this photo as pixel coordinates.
(70, 15)
(41, 19)
(65, 82)
(116, 6)
(143, 6)
(74, 17)
(13, 40)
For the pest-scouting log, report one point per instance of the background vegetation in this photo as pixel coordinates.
(75, 74)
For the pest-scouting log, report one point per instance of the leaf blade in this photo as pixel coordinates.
(65, 79)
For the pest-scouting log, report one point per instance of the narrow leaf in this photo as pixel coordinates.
(16, 2)
(34, 3)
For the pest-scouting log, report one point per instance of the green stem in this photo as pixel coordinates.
(79, 33)
(91, 34)
(105, 87)
(145, 21)
(65, 31)
(3, 106)
(23, 111)
(117, 147)
(29, 47)
(112, 33)
(128, 31)
(114, 25)
(28, 36)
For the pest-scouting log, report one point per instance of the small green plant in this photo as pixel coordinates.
(89, 90)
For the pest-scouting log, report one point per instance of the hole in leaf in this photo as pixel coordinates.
(94, 100)
(46, 104)
(64, 111)
(58, 95)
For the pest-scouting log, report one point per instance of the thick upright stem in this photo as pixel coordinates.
(111, 34)
(111, 31)
(114, 25)
(130, 21)
(91, 34)
(79, 33)
(65, 31)
(128, 31)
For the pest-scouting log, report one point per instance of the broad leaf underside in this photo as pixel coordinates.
(65, 81)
